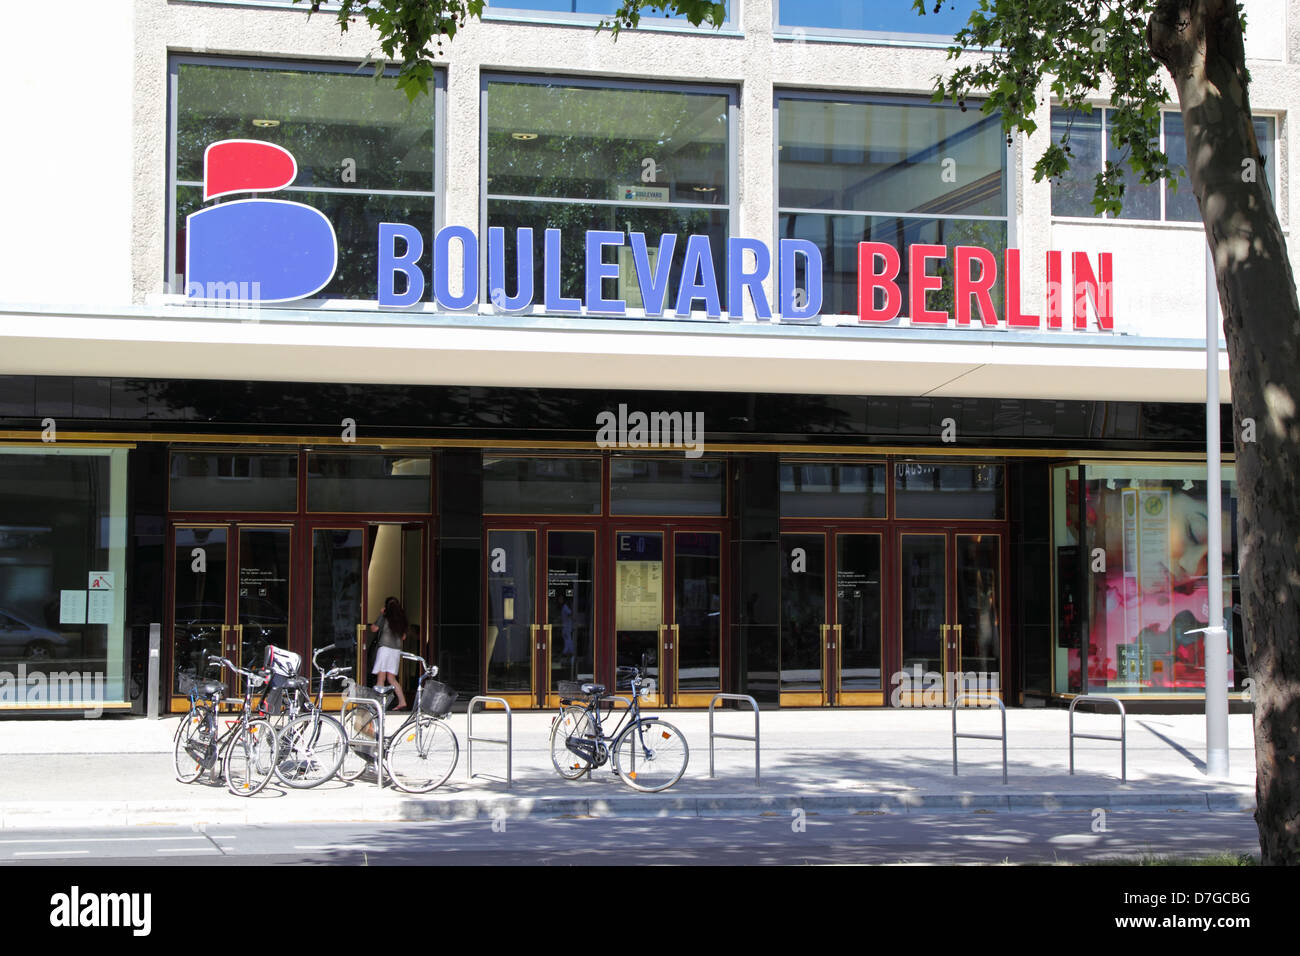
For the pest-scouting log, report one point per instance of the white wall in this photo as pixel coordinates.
(66, 188)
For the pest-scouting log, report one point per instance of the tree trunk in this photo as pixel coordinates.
(1200, 42)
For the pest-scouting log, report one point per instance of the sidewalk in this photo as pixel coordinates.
(118, 771)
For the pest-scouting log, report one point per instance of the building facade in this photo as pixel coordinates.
(724, 353)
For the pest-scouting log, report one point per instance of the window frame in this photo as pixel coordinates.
(1270, 169)
(173, 281)
(731, 208)
(788, 33)
(507, 13)
(885, 99)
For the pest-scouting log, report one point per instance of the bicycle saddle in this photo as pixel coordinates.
(594, 690)
(297, 683)
(209, 688)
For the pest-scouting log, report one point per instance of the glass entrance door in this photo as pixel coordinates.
(231, 596)
(950, 616)
(831, 619)
(512, 625)
(568, 643)
(693, 651)
(640, 628)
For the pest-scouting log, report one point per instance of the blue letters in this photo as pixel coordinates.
(598, 270)
(699, 259)
(812, 304)
(523, 296)
(551, 278)
(654, 285)
(390, 264)
(442, 267)
(738, 279)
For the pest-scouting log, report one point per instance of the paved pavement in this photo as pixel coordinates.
(118, 771)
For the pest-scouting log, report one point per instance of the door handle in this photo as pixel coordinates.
(676, 629)
(532, 633)
(826, 630)
(546, 630)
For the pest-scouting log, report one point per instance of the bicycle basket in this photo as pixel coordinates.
(436, 698)
(186, 681)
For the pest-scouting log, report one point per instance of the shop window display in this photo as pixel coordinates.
(1145, 549)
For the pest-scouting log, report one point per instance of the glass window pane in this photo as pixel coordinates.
(200, 602)
(1072, 193)
(697, 609)
(838, 236)
(1151, 521)
(1181, 206)
(803, 611)
(350, 137)
(1141, 200)
(667, 486)
(580, 142)
(891, 157)
(837, 490)
(882, 16)
(353, 483)
(557, 486)
(1069, 606)
(63, 581)
(858, 593)
(233, 481)
(948, 490)
(594, 8)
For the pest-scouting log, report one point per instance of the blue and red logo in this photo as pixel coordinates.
(255, 250)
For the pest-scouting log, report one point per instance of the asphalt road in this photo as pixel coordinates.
(938, 838)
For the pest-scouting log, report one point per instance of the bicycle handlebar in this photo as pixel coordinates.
(257, 679)
(430, 670)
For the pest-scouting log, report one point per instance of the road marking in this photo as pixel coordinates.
(105, 840)
(336, 846)
(51, 852)
(187, 849)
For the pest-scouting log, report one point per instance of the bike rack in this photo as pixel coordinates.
(371, 704)
(1003, 737)
(752, 703)
(470, 738)
(1122, 739)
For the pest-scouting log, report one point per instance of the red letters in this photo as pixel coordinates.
(1011, 278)
(869, 280)
(967, 286)
(1087, 286)
(919, 283)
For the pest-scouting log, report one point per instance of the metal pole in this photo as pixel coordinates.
(1216, 635)
(154, 673)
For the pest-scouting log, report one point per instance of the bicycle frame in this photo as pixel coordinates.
(630, 717)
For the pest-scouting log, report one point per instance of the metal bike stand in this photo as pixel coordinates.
(371, 704)
(1122, 739)
(1001, 706)
(752, 703)
(470, 738)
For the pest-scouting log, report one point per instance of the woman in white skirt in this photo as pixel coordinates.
(391, 628)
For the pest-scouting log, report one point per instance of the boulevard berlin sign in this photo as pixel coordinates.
(270, 250)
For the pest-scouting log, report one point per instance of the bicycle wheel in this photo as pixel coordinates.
(358, 743)
(311, 750)
(650, 755)
(195, 749)
(573, 722)
(422, 755)
(250, 757)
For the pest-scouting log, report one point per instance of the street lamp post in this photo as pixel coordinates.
(1215, 634)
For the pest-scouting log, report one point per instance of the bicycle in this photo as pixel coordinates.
(248, 748)
(647, 753)
(422, 753)
(312, 743)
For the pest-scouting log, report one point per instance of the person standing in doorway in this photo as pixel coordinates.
(391, 628)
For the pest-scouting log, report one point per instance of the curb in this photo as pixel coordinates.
(62, 815)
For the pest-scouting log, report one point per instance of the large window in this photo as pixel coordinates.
(575, 157)
(62, 577)
(853, 170)
(585, 11)
(1092, 144)
(1129, 600)
(365, 153)
(879, 19)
